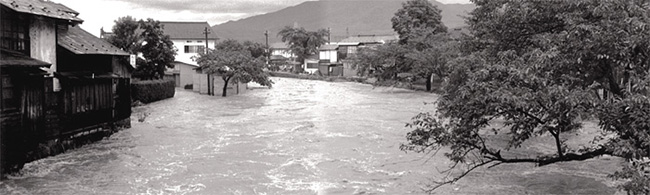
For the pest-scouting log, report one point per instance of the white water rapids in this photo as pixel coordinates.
(299, 137)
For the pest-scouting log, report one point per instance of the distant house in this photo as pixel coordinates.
(184, 74)
(349, 47)
(60, 85)
(311, 64)
(328, 60)
(189, 38)
(281, 50)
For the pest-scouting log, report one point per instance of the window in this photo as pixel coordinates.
(9, 97)
(199, 41)
(194, 49)
(188, 41)
(15, 32)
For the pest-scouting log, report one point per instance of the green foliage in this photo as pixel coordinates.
(423, 49)
(124, 34)
(235, 63)
(156, 47)
(541, 67)
(152, 90)
(417, 18)
(381, 61)
(257, 49)
(430, 55)
(303, 43)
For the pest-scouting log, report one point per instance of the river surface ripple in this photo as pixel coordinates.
(299, 137)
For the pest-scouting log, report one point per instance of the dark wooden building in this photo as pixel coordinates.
(61, 86)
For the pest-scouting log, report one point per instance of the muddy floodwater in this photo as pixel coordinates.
(299, 137)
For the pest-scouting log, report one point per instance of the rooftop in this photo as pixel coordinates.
(43, 8)
(79, 41)
(279, 45)
(328, 47)
(15, 59)
(370, 39)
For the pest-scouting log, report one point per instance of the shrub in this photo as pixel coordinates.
(147, 91)
(189, 86)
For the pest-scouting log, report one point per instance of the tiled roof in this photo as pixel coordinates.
(370, 39)
(328, 47)
(187, 30)
(43, 8)
(12, 58)
(79, 41)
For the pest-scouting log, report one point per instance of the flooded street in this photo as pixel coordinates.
(300, 137)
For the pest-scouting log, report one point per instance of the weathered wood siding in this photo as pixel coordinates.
(42, 33)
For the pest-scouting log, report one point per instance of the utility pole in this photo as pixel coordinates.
(329, 35)
(206, 32)
(210, 85)
(268, 50)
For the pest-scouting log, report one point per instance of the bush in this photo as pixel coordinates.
(147, 91)
(189, 86)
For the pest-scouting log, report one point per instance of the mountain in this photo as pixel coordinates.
(344, 18)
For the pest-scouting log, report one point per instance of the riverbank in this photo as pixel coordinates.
(371, 81)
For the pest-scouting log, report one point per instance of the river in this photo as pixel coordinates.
(299, 137)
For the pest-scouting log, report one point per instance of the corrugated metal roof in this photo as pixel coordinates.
(370, 39)
(43, 8)
(79, 41)
(16, 59)
(187, 30)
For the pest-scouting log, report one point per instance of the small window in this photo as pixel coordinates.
(9, 97)
(199, 41)
(188, 41)
(194, 49)
(14, 32)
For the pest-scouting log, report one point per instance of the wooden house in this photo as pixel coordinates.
(61, 86)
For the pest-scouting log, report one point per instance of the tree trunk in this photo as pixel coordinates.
(429, 82)
(558, 143)
(225, 86)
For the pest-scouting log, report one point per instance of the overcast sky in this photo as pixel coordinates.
(102, 13)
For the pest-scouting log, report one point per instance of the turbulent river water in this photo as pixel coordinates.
(299, 137)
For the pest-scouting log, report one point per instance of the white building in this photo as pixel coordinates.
(189, 38)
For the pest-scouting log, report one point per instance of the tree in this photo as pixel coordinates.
(156, 48)
(303, 43)
(420, 29)
(542, 69)
(234, 63)
(124, 34)
(433, 57)
(381, 62)
(417, 18)
(257, 49)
